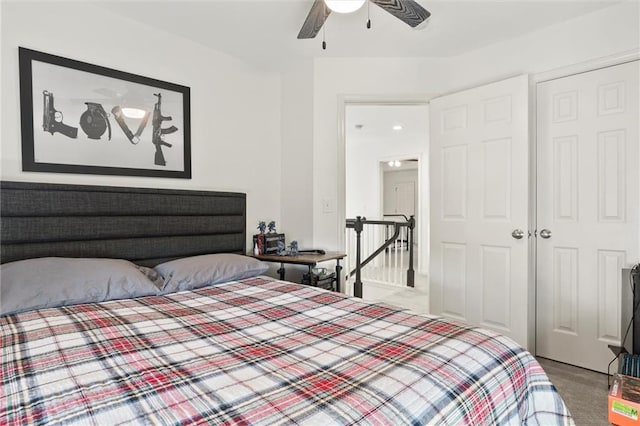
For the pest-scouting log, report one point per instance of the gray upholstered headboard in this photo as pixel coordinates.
(146, 226)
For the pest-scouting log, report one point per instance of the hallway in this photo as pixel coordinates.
(385, 282)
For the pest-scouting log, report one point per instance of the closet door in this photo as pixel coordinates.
(588, 208)
(479, 207)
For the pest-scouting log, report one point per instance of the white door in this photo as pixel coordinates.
(405, 194)
(399, 198)
(588, 185)
(479, 196)
(406, 205)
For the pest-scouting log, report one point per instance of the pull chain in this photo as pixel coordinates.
(324, 43)
(368, 15)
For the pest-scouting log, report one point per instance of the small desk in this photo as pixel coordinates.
(309, 259)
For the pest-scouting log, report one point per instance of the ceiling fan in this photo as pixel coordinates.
(408, 11)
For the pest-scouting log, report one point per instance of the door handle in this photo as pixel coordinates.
(517, 234)
(545, 233)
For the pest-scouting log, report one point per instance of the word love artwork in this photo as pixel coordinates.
(95, 122)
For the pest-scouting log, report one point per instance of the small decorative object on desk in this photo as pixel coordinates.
(258, 244)
(271, 243)
(259, 240)
(281, 248)
(262, 226)
(268, 243)
(293, 248)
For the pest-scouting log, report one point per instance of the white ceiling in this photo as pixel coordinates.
(365, 123)
(369, 121)
(263, 32)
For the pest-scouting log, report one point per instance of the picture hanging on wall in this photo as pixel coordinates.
(84, 118)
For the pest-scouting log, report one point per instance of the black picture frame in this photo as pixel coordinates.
(91, 100)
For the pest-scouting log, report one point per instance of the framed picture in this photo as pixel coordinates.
(84, 118)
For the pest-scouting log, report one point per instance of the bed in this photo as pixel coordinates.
(241, 348)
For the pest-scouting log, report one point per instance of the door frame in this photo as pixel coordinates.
(383, 100)
(534, 80)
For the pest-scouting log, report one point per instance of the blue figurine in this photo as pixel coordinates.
(293, 248)
(272, 226)
(281, 249)
(261, 226)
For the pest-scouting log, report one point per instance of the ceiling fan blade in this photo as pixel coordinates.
(408, 11)
(315, 19)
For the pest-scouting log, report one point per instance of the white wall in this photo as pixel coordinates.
(605, 32)
(296, 198)
(235, 112)
(297, 153)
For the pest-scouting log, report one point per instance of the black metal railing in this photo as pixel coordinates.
(357, 225)
(403, 242)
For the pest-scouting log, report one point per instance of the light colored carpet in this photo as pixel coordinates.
(583, 391)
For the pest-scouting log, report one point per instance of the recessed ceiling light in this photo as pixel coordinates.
(397, 127)
(397, 163)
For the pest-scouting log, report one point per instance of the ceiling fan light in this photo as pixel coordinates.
(344, 6)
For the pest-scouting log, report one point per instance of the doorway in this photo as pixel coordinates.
(376, 134)
(400, 194)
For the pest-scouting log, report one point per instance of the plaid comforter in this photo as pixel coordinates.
(263, 352)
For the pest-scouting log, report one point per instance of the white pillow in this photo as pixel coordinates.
(57, 281)
(199, 271)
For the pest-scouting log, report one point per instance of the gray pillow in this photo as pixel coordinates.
(199, 271)
(56, 281)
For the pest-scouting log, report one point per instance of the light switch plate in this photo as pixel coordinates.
(328, 205)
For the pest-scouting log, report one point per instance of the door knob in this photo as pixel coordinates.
(517, 234)
(545, 233)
